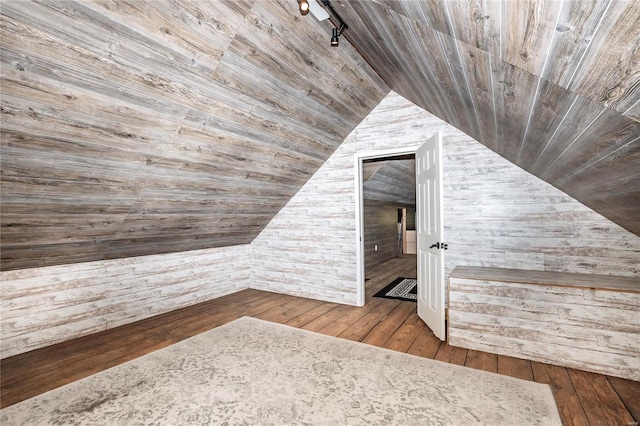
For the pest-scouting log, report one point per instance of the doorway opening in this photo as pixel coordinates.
(427, 160)
(385, 188)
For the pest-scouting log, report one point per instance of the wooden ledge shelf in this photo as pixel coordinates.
(562, 279)
(588, 322)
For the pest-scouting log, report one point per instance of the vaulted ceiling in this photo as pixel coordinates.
(553, 86)
(143, 127)
(392, 180)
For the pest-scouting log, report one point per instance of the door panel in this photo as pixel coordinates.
(430, 230)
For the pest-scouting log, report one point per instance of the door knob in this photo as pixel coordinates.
(439, 245)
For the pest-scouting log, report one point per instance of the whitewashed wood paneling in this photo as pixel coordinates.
(308, 248)
(148, 127)
(381, 241)
(496, 214)
(44, 306)
(589, 327)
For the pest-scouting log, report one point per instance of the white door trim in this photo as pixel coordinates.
(359, 158)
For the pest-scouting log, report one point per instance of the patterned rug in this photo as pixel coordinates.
(401, 289)
(255, 372)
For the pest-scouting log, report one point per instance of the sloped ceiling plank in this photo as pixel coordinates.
(450, 51)
(433, 13)
(380, 52)
(123, 136)
(608, 132)
(515, 91)
(552, 107)
(527, 30)
(254, 77)
(313, 50)
(578, 22)
(576, 44)
(421, 69)
(386, 33)
(393, 181)
(575, 122)
(616, 166)
(434, 67)
(249, 82)
(200, 41)
(633, 112)
(476, 65)
(610, 71)
(555, 132)
(628, 185)
(477, 23)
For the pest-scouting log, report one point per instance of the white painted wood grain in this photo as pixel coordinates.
(496, 215)
(44, 306)
(592, 328)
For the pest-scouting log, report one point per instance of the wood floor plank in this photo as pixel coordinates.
(481, 361)
(306, 317)
(451, 354)
(600, 401)
(629, 393)
(286, 311)
(569, 406)
(426, 345)
(73, 346)
(359, 329)
(515, 367)
(339, 325)
(383, 322)
(402, 339)
(323, 321)
(381, 332)
(75, 350)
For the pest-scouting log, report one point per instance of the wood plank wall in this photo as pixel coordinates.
(381, 230)
(146, 127)
(550, 320)
(308, 249)
(389, 184)
(43, 306)
(496, 214)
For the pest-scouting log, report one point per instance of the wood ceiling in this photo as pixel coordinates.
(392, 180)
(553, 86)
(134, 128)
(144, 127)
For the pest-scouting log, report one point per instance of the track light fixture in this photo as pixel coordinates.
(336, 20)
(334, 38)
(336, 33)
(303, 7)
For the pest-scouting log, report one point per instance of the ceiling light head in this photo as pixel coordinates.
(334, 38)
(303, 7)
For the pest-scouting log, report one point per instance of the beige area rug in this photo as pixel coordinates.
(252, 372)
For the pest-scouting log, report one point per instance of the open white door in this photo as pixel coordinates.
(429, 226)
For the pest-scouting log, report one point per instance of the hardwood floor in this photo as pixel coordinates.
(583, 398)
